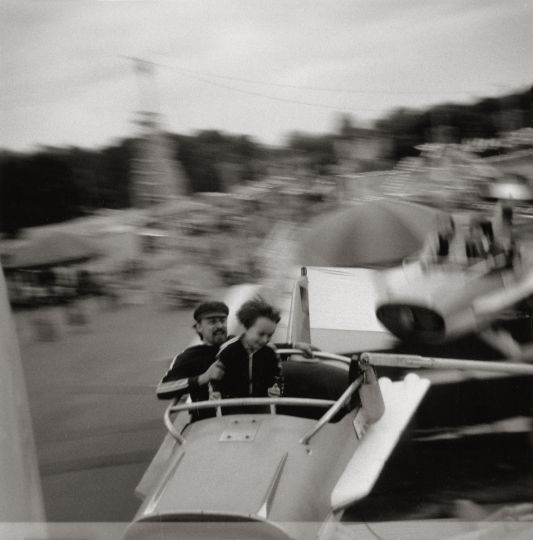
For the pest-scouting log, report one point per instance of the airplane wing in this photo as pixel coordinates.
(361, 473)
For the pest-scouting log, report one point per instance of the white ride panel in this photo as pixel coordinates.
(401, 401)
(20, 492)
(344, 298)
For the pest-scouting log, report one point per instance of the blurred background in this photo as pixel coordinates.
(153, 155)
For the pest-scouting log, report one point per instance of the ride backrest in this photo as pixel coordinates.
(315, 380)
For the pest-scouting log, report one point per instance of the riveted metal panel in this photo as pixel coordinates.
(240, 431)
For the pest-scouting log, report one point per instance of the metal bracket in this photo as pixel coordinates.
(240, 431)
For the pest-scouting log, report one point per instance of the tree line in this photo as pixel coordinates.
(450, 122)
(56, 184)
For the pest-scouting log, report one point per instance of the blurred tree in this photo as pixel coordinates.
(112, 176)
(345, 125)
(84, 165)
(318, 150)
(408, 128)
(36, 190)
(202, 154)
(12, 174)
(198, 160)
(57, 184)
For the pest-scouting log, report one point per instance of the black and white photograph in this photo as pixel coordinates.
(266, 269)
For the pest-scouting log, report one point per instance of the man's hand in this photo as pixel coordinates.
(274, 391)
(215, 372)
(307, 348)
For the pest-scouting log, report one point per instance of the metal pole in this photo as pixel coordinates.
(332, 411)
(170, 425)
(415, 362)
(316, 354)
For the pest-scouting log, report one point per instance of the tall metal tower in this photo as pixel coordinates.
(156, 177)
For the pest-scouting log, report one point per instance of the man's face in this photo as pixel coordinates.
(213, 328)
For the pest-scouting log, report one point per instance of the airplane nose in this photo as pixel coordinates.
(412, 322)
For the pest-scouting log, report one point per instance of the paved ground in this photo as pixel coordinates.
(96, 419)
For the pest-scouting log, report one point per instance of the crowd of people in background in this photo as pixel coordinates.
(57, 286)
(487, 242)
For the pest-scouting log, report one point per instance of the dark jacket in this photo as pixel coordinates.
(182, 376)
(247, 375)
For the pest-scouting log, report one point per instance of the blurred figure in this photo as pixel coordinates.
(84, 284)
(445, 237)
(502, 223)
(47, 280)
(477, 244)
(488, 232)
(438, 247)
(507, 252)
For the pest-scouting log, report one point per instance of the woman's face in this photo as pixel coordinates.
(259, 334)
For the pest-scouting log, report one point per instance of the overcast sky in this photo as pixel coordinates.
(259, 67)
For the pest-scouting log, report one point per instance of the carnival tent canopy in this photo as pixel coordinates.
(57, 248)
(369, 234)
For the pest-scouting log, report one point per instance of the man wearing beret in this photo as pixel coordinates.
(191, 370)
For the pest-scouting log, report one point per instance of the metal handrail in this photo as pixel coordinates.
(317, 354)
(412, 361)
(416, 361)
(169, 425)
(252, 401)
(273, 402)
(332, 411)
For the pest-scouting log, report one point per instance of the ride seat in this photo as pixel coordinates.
(315, 380)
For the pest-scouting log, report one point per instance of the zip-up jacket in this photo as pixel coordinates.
(247, 374)
(182, 376)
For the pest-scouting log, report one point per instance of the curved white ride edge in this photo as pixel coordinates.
(361, 473)
(20, 492)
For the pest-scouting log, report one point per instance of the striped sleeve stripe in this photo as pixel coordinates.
(229, 342)
(170, 367)
(172, 386)
(173, 362)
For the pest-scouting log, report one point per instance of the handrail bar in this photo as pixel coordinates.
(168, 422)
(252, 401)
(175, 407)
(332, 411)
(317, 354)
